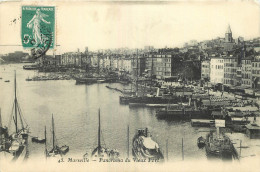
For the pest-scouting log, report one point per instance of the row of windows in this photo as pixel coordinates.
(164, 69)
(246, 82)
(246, 68)
(230, 60)
(246, 61)
(230, 70)
(229, 75)
(219, 61)
(218, 66)
(255, 71)
(205, 66)
(246, 76)
(231, 82)
(254, 64)
(205, 71)
(229, 65)
(165, 73)
(218, 74)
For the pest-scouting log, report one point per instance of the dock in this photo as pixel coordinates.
(245, 147)
(202, 122)
(137, 105)
(158, 105)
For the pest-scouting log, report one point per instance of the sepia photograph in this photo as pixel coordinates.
(129, 85)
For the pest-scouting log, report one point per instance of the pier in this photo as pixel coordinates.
(202, 123)
(245, 147)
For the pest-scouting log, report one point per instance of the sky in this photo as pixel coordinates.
(103, 25)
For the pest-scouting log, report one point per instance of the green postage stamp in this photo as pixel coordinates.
(38, 27)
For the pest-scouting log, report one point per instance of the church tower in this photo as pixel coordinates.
(228, 35)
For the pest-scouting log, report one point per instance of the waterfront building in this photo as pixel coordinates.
(163, 65)
(230, 70)
(150, 61)
(138, 65)
(114, 62)
(127, 64)
(216, 69)
(239, 75)
(205, 69)
(247, 71)
(105, 61)
(256, 72)
(74, 59)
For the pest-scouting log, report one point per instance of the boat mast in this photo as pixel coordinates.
(0, 128)
(53, 134)
(45, 141)
(15, 103)
(0, 121)
(151, 73)
(128, 141)
(137, 72)
(99, 132)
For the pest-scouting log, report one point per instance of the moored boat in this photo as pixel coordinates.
(30, 67)
(101, 151)
(146, 148)
(201, 142)
(38, 140)
(183, 113)
(15, 145)
(64, 149)
(56, 151)
(218, 145)
(86, 80)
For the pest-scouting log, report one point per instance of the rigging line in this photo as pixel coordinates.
(21, 115)
(19, 111)
(11, 116)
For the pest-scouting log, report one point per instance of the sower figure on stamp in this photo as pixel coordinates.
(36, 26)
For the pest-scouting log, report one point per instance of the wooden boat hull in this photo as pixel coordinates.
(201, 142)
(64, 149)
(139, 152)
(37, 140)
(183, 114)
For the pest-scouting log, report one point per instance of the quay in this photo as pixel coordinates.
(245, 147)
(202, 123)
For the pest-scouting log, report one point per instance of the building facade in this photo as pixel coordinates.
(256, 72)
(247, 71)
(205, 69)
(217, 70)
(230, 70)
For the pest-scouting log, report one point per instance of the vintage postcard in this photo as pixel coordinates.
(129, 86)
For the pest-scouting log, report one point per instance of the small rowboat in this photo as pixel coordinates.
(64, 149)
(7, 80)
(38, 140)
(201, 142)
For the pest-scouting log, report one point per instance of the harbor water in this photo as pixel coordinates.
(75, 111)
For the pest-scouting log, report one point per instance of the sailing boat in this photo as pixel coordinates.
(102, 152)
(14, 146)
(56, 151)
